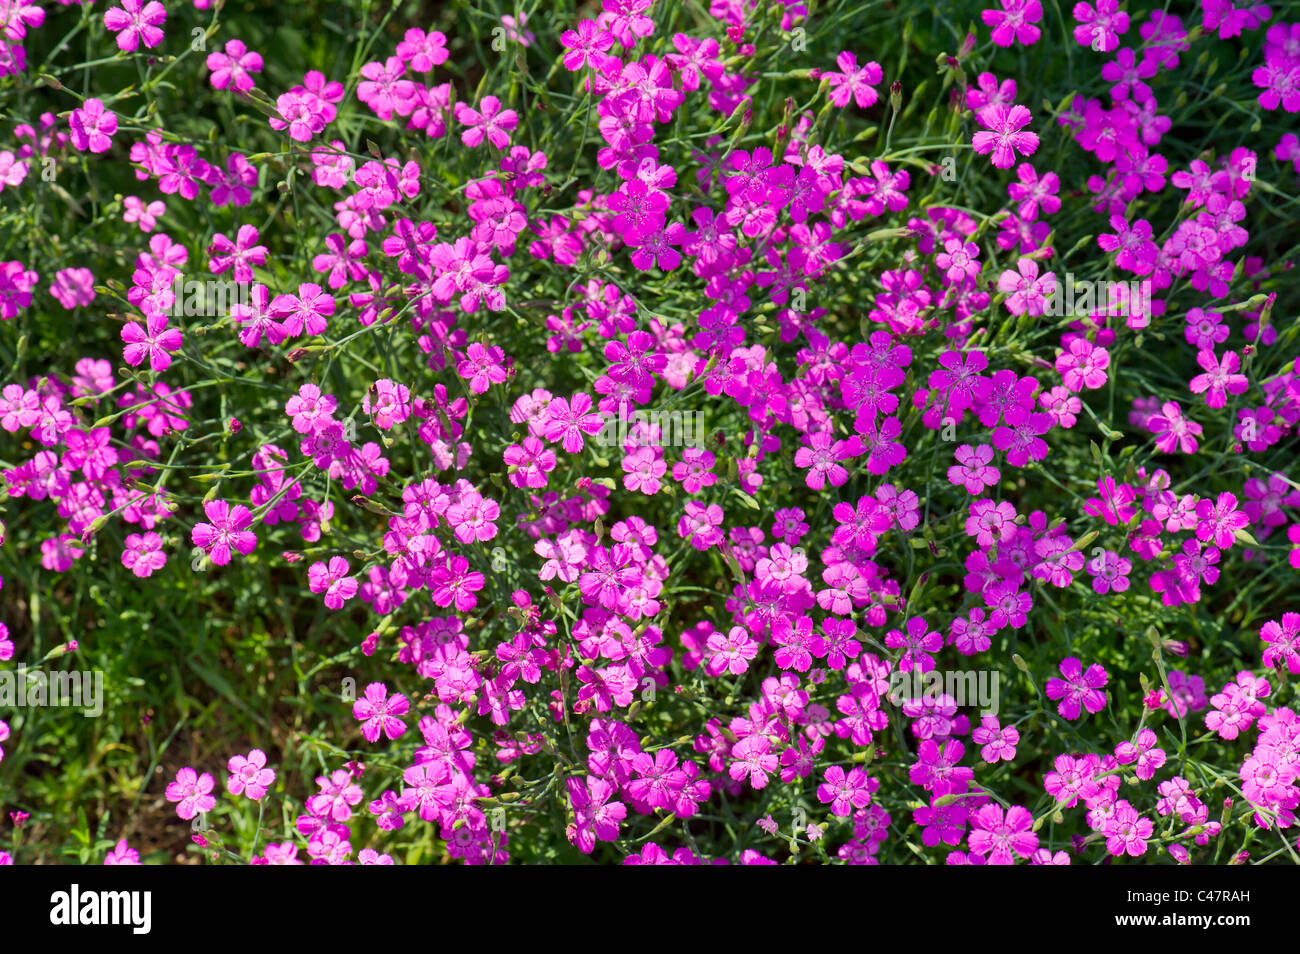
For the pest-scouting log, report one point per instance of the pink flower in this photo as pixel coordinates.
(1014, 22)
(990, 522)
(145, 215)
(1126, 831)
(845, 791)
(122, 854)
(380, 713)
(854, 82)
(488, 120)
(1144, 752)
(1220, 378)
(143, 554)
(1026, 291)
(191, 791)
(919, 642)
(1099, 29)
(701, 525)
(421, 52)
(1219, 520)
(93, 125)
(234, 67)
(333, 581)
(226, 531)
(974, 469)
(1079, 689)
(1006, 137)
(473, 517)
(998, 743)
(1175, 430)
(1083, 365)
(73, 287)
(483, 366)
(754, 761)
(569, 419)
(306, 311)
(241, 255)
(1282, 642)
(249, 775)
(153, 341)
(586, 46)
(136, 21)
(1002, 836)
(823, 456)
(730, 653)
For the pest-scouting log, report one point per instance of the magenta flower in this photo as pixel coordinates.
(421, 52)
(483, 366)
(225, 531)
(1220, 378)
(730, 653)
(845, 791)
(143, 554)
(234, 67)
(701, 525)
(1126, 831)
(569, 419)
(146, 216)
(153, 341)
(249, 775)
(586, 46)
(240, 255)
(754, 761)
(1144, 752)
(1282, 642)
(388, 403)
(1014, 22)
(974, 470)
(596, 816)
(307, 311)
(919, 643)
(1078, 690)
(136, 22)
(380, 713)
(854, 82)
(1100, 28)
(1001, 836)
(1083, 365)
(302, 114)
(73, 287)
(1220, 520)
(122, 854)
(92, 126)
(823, 457)
(1005, 136)
(191, 791)
(474, 517)
(332, 579)
(1027, 292)
(489, 120)
(990, 522)
(1174, 429)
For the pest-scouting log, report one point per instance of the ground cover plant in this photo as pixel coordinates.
(649, 433)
